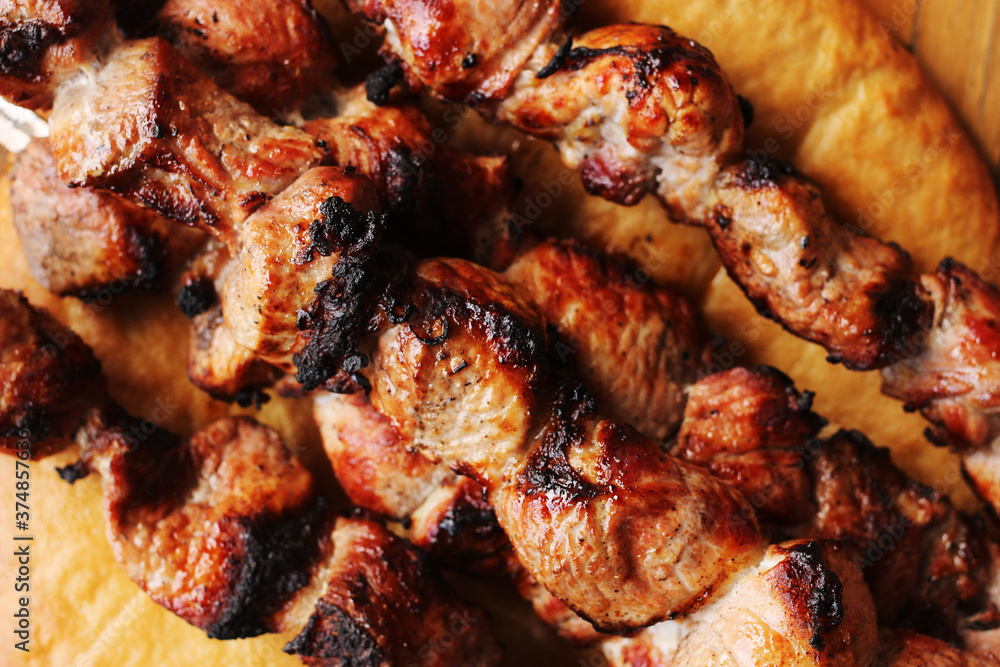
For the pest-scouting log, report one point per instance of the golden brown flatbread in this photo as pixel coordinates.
(832, 92)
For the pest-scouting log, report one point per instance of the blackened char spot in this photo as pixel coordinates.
(345, 302)
(821, 591)
(902, 313)
(196, 297)
(73, 472)
(547, 469)
(761, 172)
(331, 634)
(277, 560)
(22, 48)
(517, 344)
(380, 82)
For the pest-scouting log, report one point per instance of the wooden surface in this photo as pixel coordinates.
(958, 44)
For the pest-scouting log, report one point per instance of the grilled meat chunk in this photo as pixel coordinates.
(469, 51)
(79, 241)
(579, 497)
(43, 43)
(900, 648)
(48, 378)
(416, 174)
(636, 345)
(953, 377)
(151, 127)
(636, 109)
(852, 294)
(270, 54)
(307, 269)
(804, 604)
(220, 528)
(749, 427)
(927, 564)
(384, 606)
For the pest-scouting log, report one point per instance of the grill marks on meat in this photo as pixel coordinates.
(151, 127)
(48, 378)
(851, 294)
(462, 50)
(43, 43)
(79, 241)
(954, 376)
(384, 605)
(220, 529)
(272, 55)
(636, 345)
(749, 428)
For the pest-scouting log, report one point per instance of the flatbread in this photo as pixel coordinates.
(833, 92)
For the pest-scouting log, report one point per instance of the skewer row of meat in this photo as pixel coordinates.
(436, 285)
(639, 109)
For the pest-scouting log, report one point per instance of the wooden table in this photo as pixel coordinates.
(958, 45)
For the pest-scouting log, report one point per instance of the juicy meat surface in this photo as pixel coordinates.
(585, 501)
(78, 241)
(48, 377)
(151, 127)
(461, 49)
(927, 564)
(43, 43)
(220, 528)
(954, 376)
(804, 604)
(635, 345)
(384, 605)
(305, 254)
(749, 427)
(850, 293)
(636, 108)
(270, 54)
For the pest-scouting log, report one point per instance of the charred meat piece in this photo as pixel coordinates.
(151, 127)
(384, 605)
(581, 498)
(637, 109)
(309, 274)
(43, 43)
(852, 294)
(220, 528)
(927, 564)
(804, 604)
(416, 175)
(953, 377)
(48, 378)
